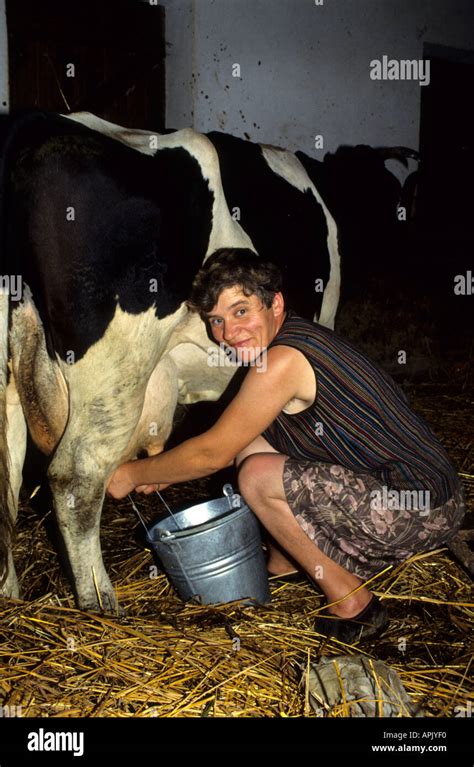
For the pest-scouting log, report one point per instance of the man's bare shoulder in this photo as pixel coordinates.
(281, 364)
(287, 357)
(293, 364)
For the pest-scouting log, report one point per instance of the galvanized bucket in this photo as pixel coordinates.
(212, 552)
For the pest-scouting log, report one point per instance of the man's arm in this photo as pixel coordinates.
(259, 401)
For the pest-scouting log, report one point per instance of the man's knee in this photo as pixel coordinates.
(250, 471)
(259, 445)
(260, 475)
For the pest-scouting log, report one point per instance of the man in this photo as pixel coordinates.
(322, 438)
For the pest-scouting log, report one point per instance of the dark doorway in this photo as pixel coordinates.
(101, 56)
(447, 143)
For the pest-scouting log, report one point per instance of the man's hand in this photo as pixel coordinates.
(147, 489)
(121, 482)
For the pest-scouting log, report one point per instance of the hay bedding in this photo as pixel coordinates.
(168, 659)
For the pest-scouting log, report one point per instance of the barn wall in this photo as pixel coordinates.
(179, 65)
(4, 94)
(313, 75)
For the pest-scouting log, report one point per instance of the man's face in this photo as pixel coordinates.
(244, 323)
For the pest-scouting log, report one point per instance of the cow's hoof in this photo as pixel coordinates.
(108, 604)
(98, 610)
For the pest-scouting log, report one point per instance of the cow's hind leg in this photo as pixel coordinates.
(107, 389)
(77, 477)
(77, 484)
(94, 443)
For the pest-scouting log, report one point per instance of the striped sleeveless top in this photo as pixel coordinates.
(360, 418)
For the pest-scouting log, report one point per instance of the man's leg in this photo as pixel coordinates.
(261, 484)
(278, 563)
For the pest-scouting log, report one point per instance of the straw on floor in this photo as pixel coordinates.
(166, 658)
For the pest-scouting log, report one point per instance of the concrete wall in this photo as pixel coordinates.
(304, 67)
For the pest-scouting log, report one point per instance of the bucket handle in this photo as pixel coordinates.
(148, 538)
(172, 515)
(233, 499)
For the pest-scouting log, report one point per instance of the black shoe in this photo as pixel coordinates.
(369, 623)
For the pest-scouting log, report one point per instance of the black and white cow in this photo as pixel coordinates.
(106, 228)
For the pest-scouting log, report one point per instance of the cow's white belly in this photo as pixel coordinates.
(149, 365)
(185, 374)
(159, 405)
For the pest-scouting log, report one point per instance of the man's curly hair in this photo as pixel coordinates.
(229, 267)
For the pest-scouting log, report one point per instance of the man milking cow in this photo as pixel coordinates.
(323, 441)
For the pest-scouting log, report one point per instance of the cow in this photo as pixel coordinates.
(104, 228)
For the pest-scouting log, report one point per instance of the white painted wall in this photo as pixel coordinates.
(4, 92)
(313, 75)
(304, 67)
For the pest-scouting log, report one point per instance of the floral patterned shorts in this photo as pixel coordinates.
(348, 517)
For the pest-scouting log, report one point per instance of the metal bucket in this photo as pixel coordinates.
(212, 552)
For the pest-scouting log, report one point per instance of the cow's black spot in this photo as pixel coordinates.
(286, 226)
(92, 223)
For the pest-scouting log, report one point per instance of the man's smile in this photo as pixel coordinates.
(239, 344)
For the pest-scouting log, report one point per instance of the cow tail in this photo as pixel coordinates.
(6, 524)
